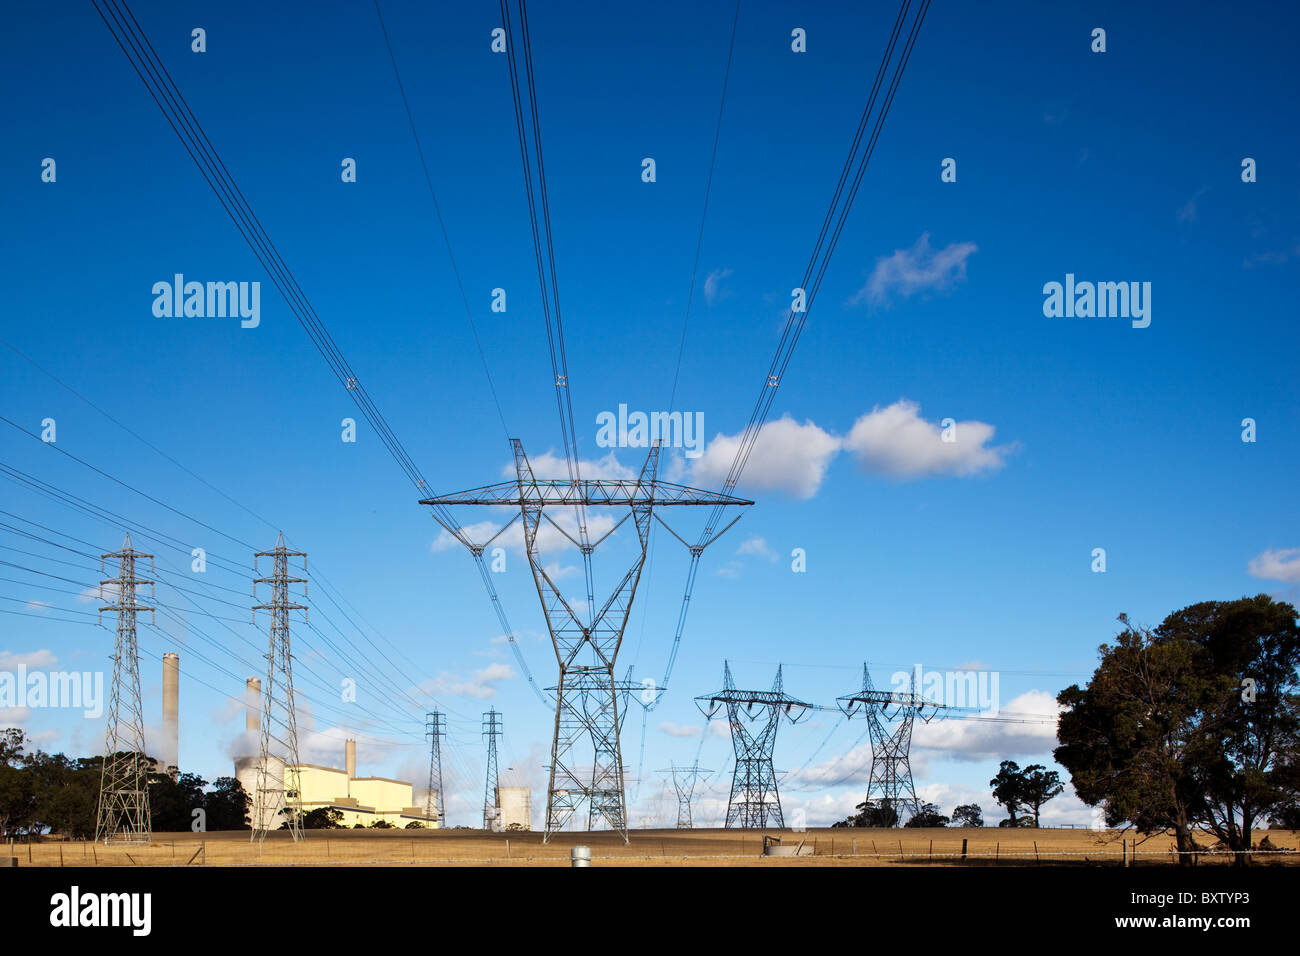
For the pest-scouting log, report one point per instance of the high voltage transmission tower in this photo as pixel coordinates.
(586, 760)
(491, 795)
(684, 780)
(891, 768)
(278, 774)
(435, 728)
(123, 814)
(754, 801)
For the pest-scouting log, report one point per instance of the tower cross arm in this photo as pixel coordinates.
(607, 492)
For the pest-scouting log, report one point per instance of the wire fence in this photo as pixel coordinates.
(678, 848)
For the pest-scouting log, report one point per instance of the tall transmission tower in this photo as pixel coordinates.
(586, 640)
(891, 768)
(435, 728)
(684, 780)
(491, 798)
(754, 801)
(278, 768)
(123, 814)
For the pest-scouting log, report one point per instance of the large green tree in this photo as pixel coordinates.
(928, 816)
(1192, 724)
(1039, 786)
(16, 797)
(172, 802)
(1009, 790)
(227, 804)
(873, 813)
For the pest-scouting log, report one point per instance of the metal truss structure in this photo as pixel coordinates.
(279, 739)
(891, 769)
(435, 728)
(755, 800)
(586, 641)
(684, 780)
(123, 812)
(491, 799)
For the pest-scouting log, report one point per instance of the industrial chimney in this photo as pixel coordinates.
(253, 705)
(171, 713)
(351, 759)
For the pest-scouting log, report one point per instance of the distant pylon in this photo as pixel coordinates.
(755, 801)
(684, 780)
(491, 799)
(435, 728)
(123, 814)
(279, 722)
(586, 758)
(891, 767)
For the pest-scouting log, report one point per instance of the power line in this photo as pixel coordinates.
(708, 189)
(437, 209)
(798, 313)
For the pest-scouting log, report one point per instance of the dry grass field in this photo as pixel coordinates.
(838, 847)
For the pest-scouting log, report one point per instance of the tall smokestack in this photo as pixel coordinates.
(171, 743)
(351, 764)
(253, 705)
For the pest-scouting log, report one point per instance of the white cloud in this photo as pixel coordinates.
(757, 546)
(976, 739)
(679, 730)
(712, 283)
(10, 661)
(481, 685)
(106, 593)
(918, 269)
(895, 441)
(15, 716)
(38, 606)
(847, 769)
(558, 572)
(1282, 564)
(550, 465)
(549, 540)
(787, 457)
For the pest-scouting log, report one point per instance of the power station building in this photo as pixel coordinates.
(361, 800)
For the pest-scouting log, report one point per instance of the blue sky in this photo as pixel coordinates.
(1073, 434)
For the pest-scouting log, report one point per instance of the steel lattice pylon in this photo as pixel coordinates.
(588, 698)
(435, 728)
(755, 800)
(684, 780)
(123, 812)
(891, 768)
(491, 798)
(283, 795)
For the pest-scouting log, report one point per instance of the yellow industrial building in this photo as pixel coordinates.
(361, 800)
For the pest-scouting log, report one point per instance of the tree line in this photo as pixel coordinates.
(50, 793)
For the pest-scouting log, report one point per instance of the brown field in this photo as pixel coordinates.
(831, 847)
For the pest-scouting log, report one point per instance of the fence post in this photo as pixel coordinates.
(963, 849)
